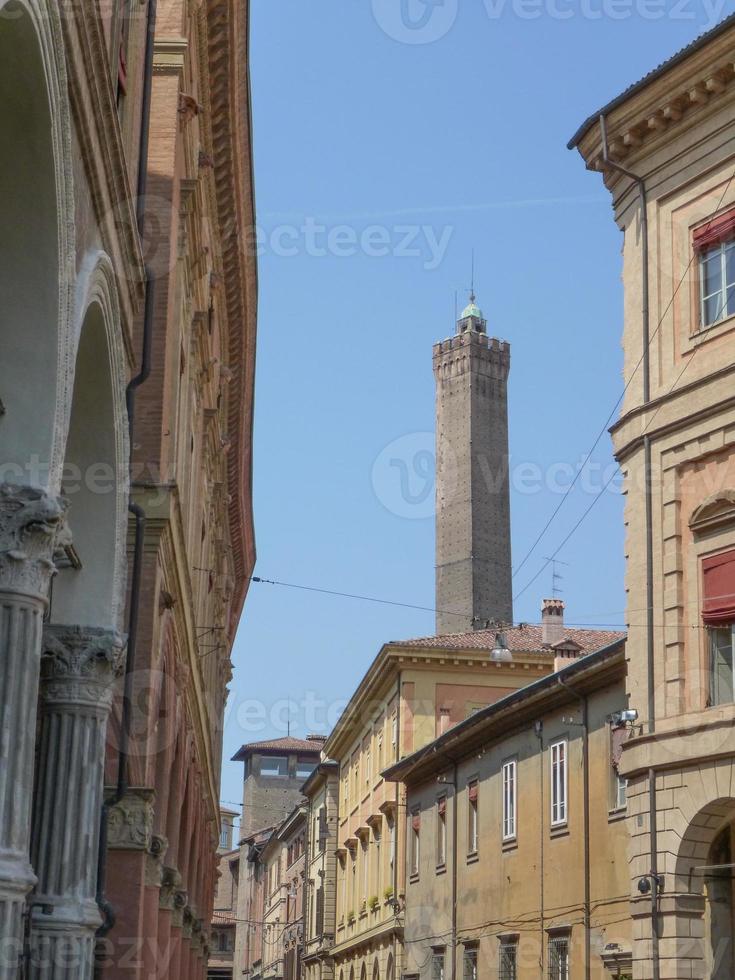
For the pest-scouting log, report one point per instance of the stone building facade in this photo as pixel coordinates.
(283, 858)
(127, 329)
(274, 771)
(413, 692)
(321, 791)
(666, 154)
(473, 561)
(516, 857)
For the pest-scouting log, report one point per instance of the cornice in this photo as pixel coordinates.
(660, 110)
(230, 129)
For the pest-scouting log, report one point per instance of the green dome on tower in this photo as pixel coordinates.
(472, 309)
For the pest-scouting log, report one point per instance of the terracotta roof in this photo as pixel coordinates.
(652, 75)
(288, 744)
(520, 639)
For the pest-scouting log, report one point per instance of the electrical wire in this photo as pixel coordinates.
(625, 389)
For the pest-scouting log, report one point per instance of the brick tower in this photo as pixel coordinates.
(473, 565)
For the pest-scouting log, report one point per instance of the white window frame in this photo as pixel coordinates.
(559, 773)
(713, 700)
(415, 844)
(441, 833)
(510, 798)
(725, 288)
(473, 819)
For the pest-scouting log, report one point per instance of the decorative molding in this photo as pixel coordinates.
(79, 664)
(716, 512)
(30, 520)
(130, 823)
(154, 869)
(170, 887)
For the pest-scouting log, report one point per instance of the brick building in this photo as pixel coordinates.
(127, 329)
(666, 153)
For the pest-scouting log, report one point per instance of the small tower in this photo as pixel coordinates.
(473, 562)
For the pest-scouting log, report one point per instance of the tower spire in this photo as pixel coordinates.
(472, 278)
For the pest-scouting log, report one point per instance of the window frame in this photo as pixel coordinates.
(510, 801)
(508, 970)
(270, 761)
(415, 839)
(558, 966)
(473, 818)
(470, 955)
(712, 631)
(704, 255)
(438, 959)
(441, 832)
(559, 777)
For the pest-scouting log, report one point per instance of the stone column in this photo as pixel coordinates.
(78, 671)
(29, 523)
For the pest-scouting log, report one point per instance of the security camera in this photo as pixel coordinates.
(628, 716)
(644, 885)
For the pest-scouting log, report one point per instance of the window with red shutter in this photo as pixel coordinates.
(714, 244)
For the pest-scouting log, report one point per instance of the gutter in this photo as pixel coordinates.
(105, 907)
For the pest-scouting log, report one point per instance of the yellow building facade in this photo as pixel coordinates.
(666, 153)
(413, 693)
(516, 857)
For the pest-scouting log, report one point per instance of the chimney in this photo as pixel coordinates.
(552, 622)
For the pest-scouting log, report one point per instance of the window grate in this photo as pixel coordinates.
(508, 961)
(559, 958)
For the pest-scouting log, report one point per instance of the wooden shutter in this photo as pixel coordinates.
(718, 574)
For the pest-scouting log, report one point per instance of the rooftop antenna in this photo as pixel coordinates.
(556, 577)
(472, 279)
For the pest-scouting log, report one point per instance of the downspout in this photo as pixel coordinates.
(586, 822)
(108, 912)
(539, 732)
(395, 826)
(455, 784)
(651, 672)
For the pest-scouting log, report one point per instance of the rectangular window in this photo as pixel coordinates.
(469, 964)
(472, 816)
(618, 784)
(368, 766)
(558, 957)
(721, 677)
(380, 751)
(224, 837)
(304, 769)
(509, 799)
(717, 282)
(394, 729)
(274, 766)
(441, 831)
(507, 966)
(437, 963)
(558, 783)
(415, 838)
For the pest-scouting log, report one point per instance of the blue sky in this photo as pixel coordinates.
(386, 149)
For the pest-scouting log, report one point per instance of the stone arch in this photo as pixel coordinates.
(363, 971)
(37, 250)
(95, 474)
(703, 884)
(389, 968)
(376, 969)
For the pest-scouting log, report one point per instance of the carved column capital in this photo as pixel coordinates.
(30, 520)
(130, 822)
(79, 665)
(170, 885)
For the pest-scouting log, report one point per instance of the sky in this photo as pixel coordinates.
(392, 138)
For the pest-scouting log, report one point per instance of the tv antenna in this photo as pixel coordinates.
(556, 576)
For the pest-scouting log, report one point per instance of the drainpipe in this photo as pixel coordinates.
(586, 820)
(539, 732)
(455, 783)
(395, 824)
(651, 672)
(108, 912)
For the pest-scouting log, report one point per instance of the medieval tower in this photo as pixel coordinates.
(473, 564)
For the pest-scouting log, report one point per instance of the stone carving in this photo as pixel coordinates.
(154, 861)
(29, 523)
(170, 888)
(79, 664)
(130, 823)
